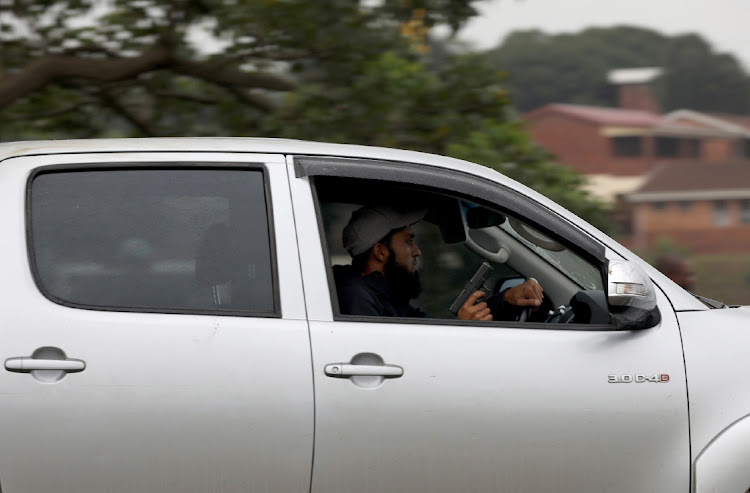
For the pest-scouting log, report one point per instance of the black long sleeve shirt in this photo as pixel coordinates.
(369, 295)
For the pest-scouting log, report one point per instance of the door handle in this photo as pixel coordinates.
(27, 365)
(346, 370)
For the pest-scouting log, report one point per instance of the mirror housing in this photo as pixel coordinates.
(631, 296)
(479, 217)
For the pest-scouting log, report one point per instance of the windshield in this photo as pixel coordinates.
(566, 261)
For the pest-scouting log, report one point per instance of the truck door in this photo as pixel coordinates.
(152, 339)
(445, 405)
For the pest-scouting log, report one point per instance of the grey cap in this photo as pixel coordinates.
(369, 224)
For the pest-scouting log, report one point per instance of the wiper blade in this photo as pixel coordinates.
(709, 302)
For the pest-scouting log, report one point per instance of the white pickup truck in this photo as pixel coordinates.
(171, 322)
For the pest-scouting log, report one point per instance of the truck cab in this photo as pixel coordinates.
(171, 322)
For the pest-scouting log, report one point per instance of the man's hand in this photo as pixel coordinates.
(527, 294)
(472, 311)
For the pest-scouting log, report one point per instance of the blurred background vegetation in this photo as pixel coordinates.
(370, 72)
(572, 68)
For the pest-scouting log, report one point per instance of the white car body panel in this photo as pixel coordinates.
(723, 465)
(172, 402)
(718, 369)
(487, 409)
(167, 402)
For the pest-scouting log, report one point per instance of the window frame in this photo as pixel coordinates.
(475, 187)
(692, 148)
(720, 213)
(667, 147)
(433, 179)
(627, 146)
(745, 211)
(193, 165)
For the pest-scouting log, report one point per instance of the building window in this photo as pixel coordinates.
(667, 147)
(686, 205)
(745, 211)
(692, 148)
(721, 215)
(746, 149)
(627, 146)
(659, 206)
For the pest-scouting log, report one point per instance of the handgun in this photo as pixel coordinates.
(476, 283)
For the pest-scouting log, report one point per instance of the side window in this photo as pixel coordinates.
(159, 240)
(452, 237)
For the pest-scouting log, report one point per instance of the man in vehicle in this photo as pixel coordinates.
(384, 277)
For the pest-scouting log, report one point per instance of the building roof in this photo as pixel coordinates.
(695, 181)
(685, 123)
(738, 120)
(599, 115)
(732, 124)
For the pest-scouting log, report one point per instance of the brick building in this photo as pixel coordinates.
(704, 206)
(736, 144)
(617, 147)
(683, 175)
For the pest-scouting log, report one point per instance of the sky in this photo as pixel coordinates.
(723, 23)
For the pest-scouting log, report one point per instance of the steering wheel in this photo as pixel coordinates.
(524, 315)
(564, 314)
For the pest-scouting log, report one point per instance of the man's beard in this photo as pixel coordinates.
(403, 285)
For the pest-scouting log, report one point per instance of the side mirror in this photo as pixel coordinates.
(631, 296)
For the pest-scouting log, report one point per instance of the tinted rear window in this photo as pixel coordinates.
(166, 240)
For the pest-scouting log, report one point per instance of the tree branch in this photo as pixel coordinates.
(263, 104)
(193, 98)
(141, 124)
(226, 76)
(59, 112)
(45, 70)
(57, 68)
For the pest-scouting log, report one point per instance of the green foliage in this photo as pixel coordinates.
(265, 48)
(572, 68)
(458, 108)
(394, 101)
(663, 245)
(506, 147)
(723, 277)
(697, 78)
(335, 70)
